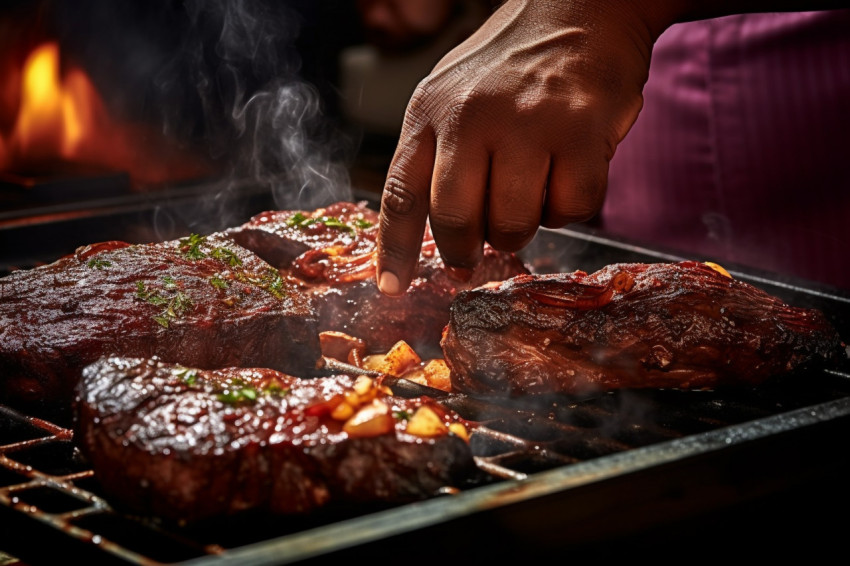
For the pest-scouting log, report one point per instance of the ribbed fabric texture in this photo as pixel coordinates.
(742, 150)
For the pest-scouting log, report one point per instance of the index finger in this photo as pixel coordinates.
(404, 209)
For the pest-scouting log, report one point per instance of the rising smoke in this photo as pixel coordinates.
(259, 117)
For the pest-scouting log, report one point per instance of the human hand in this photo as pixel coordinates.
(513, 129)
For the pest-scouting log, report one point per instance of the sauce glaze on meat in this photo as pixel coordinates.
(661, 325)
(185, 444)
(331, 252)
(202, 300)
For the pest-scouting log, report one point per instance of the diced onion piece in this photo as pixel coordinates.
(437, 374)
(343, 411)
(374, 362)
(416, 376)
(718, 268)
(352, 398)
(426, 423)
(459, 430)
(373, 419)
(363, 385)
(400, 358)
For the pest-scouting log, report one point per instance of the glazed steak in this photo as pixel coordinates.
(665, 325)
(201, 301)
(185, 444)
(332, 251)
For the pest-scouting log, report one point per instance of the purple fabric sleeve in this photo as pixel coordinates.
(741, 151)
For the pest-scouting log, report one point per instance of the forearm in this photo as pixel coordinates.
(663, 14)
(654, 16)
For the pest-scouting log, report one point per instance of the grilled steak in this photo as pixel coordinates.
(201, 301)
(184, 444)
(666, 325)
(331, 250)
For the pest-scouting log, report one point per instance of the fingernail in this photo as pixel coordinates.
(388, 283)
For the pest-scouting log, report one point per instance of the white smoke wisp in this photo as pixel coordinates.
(284, 151)
(262, 120)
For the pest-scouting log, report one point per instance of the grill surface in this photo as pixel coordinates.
(561, 473)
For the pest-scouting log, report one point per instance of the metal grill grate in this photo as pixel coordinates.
(45, 485)
(554, 470)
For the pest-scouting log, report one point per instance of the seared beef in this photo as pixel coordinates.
(184, 444)
(664, 325)
(201, 301)
(332, 250)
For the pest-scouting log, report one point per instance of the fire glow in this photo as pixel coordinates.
(58, 118)
(62, 118)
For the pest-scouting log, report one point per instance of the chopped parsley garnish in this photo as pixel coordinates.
(218, 282)
(275, 390)
(97, 263)
(188, 376)
(269, 281)
(274, 283)
(149, 295)
(176, 305)
(226, 256)
(233, 396)
(299, 220)
(240, 392)
(190, 246)
(402, 415)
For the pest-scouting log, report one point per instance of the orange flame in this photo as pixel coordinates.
(62, 117)
(55, 116)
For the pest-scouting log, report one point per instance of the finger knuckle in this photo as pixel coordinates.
(452, 224)
(511, 236)
(581, 202)
(396, 198)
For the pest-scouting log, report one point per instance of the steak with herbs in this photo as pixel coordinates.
(331, 251)
(201, 301)
(185, 444)
(660, 325)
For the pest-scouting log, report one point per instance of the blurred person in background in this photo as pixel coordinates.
(740, 153)
(401, 42)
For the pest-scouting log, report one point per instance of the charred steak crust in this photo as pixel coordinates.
(202, 301)
(185, 444)
(661, 325)
(331, 252)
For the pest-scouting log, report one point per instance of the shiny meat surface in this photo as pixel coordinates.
(331, 252)
(660, 325)
(202, 301)
(184, 444)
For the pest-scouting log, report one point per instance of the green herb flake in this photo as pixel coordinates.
(141, 291)
(97, 263)
(363, 223)
(218, 282)
(299, 220)
(332, 222)
(238, 395)
(189, 377)
(275, 283)
(274, 389)
(227, 256)
(190, 246)
(175, 306)
(169, 282)
(402, 415)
